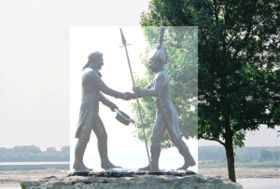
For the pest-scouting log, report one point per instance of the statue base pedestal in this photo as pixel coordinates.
(130, 180)
(128, 173)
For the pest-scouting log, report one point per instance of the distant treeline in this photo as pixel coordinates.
(33, 154)
(241, 154)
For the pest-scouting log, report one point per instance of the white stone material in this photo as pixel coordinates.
(137, 182)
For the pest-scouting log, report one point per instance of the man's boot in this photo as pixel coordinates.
(79, 166)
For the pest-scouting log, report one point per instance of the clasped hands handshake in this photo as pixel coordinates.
(126, 96)
(129, 96)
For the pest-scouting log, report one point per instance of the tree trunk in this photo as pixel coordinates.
(229, 149)
(230, 161)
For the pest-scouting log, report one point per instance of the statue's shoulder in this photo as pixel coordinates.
(90, 73)
(161, 76)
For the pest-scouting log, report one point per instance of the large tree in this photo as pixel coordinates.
(238, 50)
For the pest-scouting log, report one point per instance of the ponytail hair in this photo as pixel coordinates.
(85, 66)
(92, 58)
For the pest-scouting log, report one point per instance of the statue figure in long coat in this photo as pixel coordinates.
(92, 93)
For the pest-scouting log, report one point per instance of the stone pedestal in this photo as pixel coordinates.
(137, 181)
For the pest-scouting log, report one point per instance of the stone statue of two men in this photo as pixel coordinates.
(166, 120)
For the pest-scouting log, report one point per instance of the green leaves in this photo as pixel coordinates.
(238, 44)
(238, 65)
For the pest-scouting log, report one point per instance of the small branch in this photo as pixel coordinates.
(216, 12)
(213, 139)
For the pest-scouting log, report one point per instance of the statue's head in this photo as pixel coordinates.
(95, 59)
(157, 58)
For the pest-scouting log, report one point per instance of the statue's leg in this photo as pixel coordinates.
(175, 137)
(101, 135)
(80, 150)
(158, 131)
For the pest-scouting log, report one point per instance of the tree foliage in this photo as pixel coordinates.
(238, 67)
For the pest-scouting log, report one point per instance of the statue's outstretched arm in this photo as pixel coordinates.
(95, 78)
(104, 88)
(149, 86)
(159, 85)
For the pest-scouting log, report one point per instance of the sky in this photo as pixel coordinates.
(35, 67)
(35, 63)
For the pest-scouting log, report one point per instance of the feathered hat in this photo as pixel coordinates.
(158, 52)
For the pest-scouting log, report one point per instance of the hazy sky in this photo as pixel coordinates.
(35, 66)
(34, 63)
